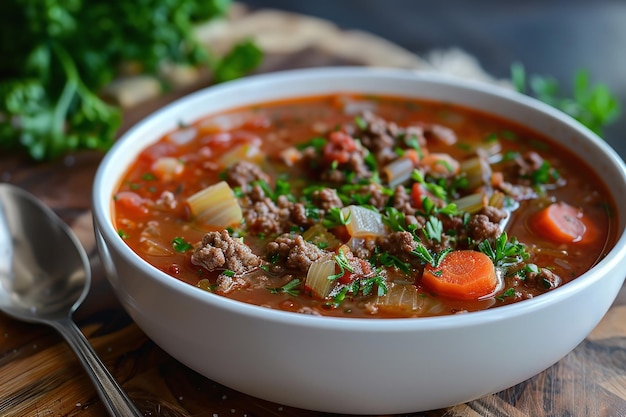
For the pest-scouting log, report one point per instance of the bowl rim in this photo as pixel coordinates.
(103, 219)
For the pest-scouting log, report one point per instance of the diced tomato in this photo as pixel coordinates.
(132, 203)
(156, 151)
(348, 277)
(339, 147)
(418, 192)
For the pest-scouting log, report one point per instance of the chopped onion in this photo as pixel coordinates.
(250, 151)
(216, 206)
(183, 136)
(472, 203)
(405, 299)
(151, 243)
(321, 237)
(167, 168)
(497, 199)
(363, 222)
(223, 123)
(317, 280)
(440, 165)
(153, 247)
(290, 156)
(398, 171)
(477, 171)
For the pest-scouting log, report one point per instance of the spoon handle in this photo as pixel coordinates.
(114, 398)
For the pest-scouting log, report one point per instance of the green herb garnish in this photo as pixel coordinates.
(52, 74)
(292, 288)
(434, 260)
(335, 217)
(181, 245)
(504, 253)
(592, 105)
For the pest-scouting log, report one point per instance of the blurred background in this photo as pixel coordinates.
(551, 38)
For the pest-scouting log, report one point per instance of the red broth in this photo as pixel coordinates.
(282, 229)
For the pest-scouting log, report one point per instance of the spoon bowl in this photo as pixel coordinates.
(44, 277)
(43, 273)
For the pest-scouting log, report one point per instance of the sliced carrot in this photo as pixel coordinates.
(462, 274)
(559, 222)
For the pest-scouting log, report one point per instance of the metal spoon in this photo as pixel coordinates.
(44, 276)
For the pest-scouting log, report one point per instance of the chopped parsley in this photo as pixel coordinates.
(360, 122)
(335, 217)
(148, 176)
(292, 288)
(434, 260)
(344, 265)
(181, 245)
(317, 143)
(509, 293)
(433, 230)
(391, 261)
(544, 174)
(228, 273)
(504, 253)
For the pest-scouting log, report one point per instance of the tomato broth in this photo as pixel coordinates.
(350, 205)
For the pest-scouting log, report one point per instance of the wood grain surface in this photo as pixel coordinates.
(39, 376)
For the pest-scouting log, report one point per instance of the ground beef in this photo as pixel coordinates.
(379, 136)
(439, 133)
(167, 200)
(309, 311)
(355, 166)
(219, 250)
(494, 214)
(327, 198)
(544, 279)
(403, 201)
(399, 244)
(242, 173)
(517, 191)
(263, 215)
(226, 284)
(481, 228)
(255, 194)
(298, 215)
(266, 217)
(294, 252)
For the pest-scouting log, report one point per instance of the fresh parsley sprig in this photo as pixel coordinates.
(592, 105)
(344, 265)
(181, 245)
(434, 260)
(292, 288)
(52, 74)
(504, 253)
(335, 217)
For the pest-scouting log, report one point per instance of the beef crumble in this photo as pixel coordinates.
(219, 251)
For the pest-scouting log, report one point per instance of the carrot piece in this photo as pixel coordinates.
(559, 222)
(462, 274)
(413, 155)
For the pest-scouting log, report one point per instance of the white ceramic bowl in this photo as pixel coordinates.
(357, 365)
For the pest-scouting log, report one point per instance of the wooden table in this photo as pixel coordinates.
(39, 375)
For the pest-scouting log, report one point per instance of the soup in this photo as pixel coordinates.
(359, 206)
